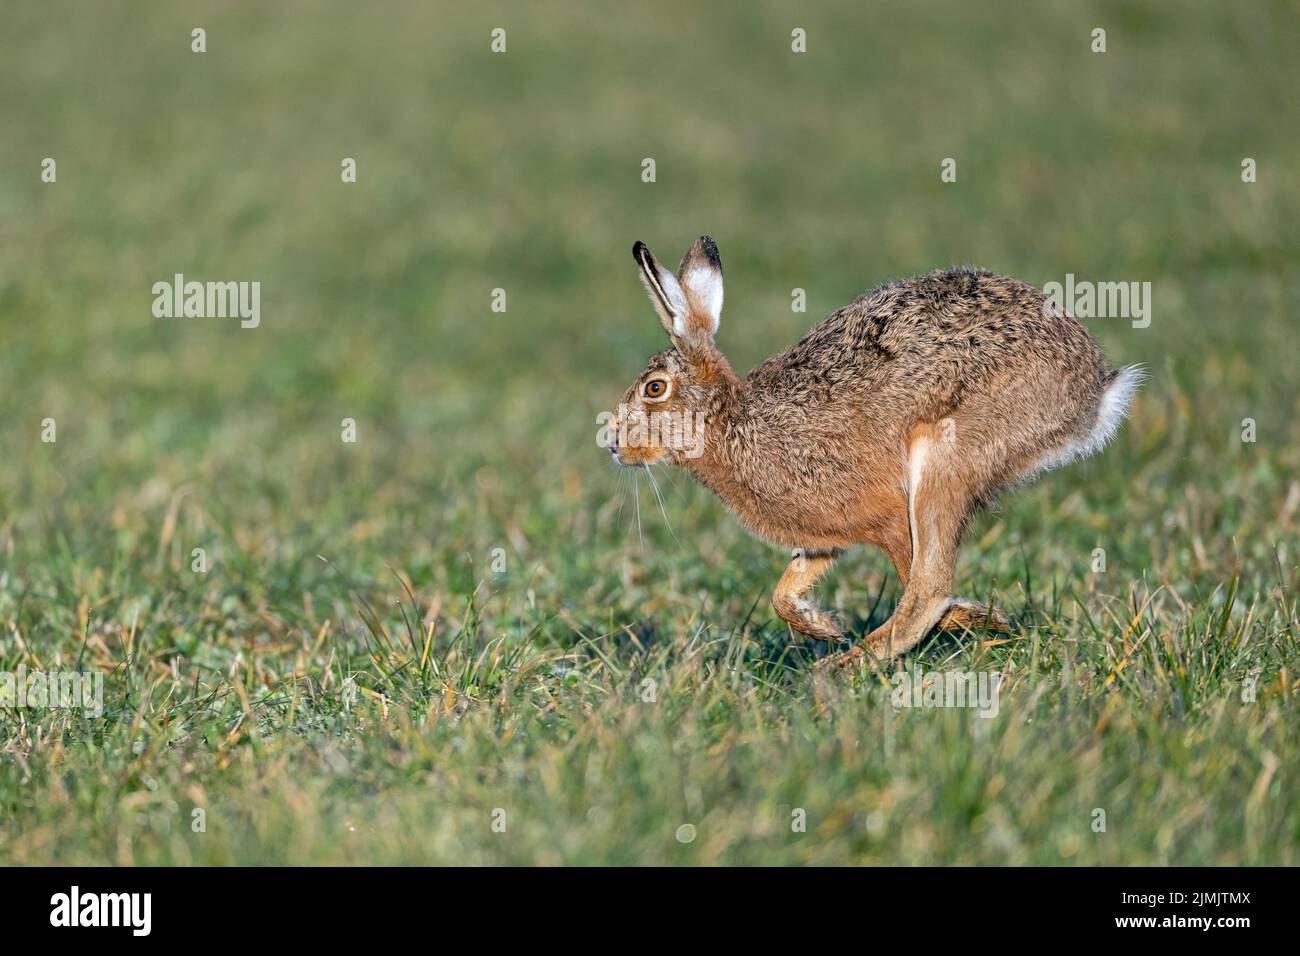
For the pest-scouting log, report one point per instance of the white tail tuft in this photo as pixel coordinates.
(1110, 415)
(1114, 406)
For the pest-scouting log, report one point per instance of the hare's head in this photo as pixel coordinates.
(663, 416)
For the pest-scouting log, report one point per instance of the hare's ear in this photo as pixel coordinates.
(700, 276)
(665, 292)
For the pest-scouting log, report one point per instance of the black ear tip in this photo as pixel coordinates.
(711, 250)
(637, 249)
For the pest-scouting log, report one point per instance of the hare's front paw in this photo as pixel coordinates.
(807, 618)
(815, 623)
(791, 603)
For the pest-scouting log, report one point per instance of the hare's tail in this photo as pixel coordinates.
(1115, 400)
(1120, 389)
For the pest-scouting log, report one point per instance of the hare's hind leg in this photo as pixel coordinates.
(940, 503)
(962, 614)
(790, 600)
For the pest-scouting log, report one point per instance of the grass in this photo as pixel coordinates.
(358, 678)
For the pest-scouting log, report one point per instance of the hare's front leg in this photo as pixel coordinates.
(790, 600)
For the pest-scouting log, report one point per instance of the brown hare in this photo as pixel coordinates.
(890, 423)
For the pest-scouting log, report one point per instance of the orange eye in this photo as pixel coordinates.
(655, 388)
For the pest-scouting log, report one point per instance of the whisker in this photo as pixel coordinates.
(660, 498)
(622, 493)
(636, 496)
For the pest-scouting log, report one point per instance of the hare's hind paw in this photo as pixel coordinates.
(973, 616)
(878, 646)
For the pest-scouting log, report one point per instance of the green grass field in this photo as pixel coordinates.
(355, 678)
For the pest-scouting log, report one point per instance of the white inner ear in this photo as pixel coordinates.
(675, 298)
(705, 284)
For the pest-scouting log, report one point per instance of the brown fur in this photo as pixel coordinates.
(889, 424)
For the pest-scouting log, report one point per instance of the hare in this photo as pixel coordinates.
(891, 423)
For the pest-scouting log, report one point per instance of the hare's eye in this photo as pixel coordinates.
(655, 388)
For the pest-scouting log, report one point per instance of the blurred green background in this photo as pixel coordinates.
(476, 429)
